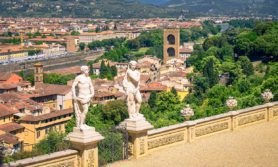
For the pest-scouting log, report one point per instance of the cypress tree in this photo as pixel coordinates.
(210, 73)
(103, 70)
(174, 91)
(114, 71)
(152, 99)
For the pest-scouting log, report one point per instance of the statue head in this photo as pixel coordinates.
(85, 70)
(132, 65)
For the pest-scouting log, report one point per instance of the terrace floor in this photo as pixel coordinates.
(252, 146)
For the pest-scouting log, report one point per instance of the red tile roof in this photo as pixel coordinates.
(6, 111)
(9, 127)
(53, 114)
(4, 76)
(19, 101)
(50, 89)
(9, 138)
(155, 86)
(7, 86)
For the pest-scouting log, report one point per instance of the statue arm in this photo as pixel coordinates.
(92, 89)
(135, 76)
(74, 84)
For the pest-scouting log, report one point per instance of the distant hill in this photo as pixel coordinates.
(155, 2)
(135, 8)
(227, 7)
(83, 8)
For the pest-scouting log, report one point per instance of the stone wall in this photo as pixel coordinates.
(190, 131)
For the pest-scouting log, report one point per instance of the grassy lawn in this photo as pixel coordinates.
(140, 51)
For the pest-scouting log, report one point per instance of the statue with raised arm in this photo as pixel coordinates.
(82, 92)
(132, 90)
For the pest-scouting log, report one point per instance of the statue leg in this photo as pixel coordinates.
(77, 107)
(138, 98)
(131, 105)
(84, 113)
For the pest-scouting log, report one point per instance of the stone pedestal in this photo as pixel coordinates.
(138, 137)
(85, 141)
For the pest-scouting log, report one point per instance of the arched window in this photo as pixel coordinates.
(171, 52)
(171, 39)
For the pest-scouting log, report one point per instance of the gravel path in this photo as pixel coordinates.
(253, 146)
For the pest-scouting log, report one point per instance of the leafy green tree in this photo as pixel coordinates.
(57, 78)
(243, 85)
(185, 35)
(75, 33)
(201, 84)
(114, 112)
(52, 143)
(246, 65)
(133, 44)
(82, 46)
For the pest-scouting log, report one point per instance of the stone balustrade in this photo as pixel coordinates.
(190, 131)
(151, 140)
(67, 158)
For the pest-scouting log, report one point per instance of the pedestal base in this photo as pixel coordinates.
(85, 136)
(85, 141)
(136, 125)
(137, 129)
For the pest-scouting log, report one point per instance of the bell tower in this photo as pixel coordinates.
(171, 44)
(38, 73)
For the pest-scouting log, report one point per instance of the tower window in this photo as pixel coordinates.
(171, 39)
(171, 52)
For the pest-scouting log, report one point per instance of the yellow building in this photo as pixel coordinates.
(11, 133)
(12, 55)
(37, 127)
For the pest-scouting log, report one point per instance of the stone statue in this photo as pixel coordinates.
(132, 90)
(82, 92)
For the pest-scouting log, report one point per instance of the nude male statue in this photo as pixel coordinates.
(132, 90)
(82, 92)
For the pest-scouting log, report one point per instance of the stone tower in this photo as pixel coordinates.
(71, 47)
(171, 44)
(38, 73)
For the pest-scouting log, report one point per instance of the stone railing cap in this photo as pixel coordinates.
(42, 158)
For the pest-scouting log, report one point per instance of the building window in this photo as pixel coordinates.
(46, 131)
(38, 134)
(60, 127)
